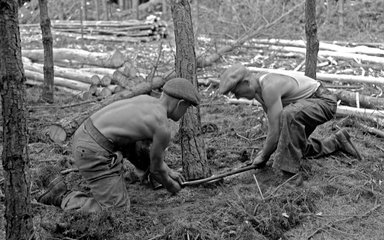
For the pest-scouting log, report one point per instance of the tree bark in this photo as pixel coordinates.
(98, 9)
(341, 15)
(18, 212)
(312, 41)
(45, 22)
(194, 157)
(135, 6)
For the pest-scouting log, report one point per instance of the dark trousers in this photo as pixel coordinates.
(298, 121)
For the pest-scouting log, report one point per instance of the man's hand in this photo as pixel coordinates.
(169, 179)
(176, 176)
(258, 162)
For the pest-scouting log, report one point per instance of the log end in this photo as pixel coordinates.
(57, 133)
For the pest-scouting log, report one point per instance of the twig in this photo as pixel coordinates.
(152, 73)
(66, 171)
(330, 224)
(155, 237)
(258, 187)
(299, 66)
(240, 136)
(278, 187)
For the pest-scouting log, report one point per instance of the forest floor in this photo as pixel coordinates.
(341, 197)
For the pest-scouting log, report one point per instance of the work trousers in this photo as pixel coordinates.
(297, 123)
(103, 171)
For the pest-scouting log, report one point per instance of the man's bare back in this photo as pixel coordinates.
(145, 114)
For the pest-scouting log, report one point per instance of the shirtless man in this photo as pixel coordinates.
(117, 131)
(295, 105)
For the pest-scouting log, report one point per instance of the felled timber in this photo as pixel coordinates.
(327, 76)
(375, 116)
(68, 73)
(349, 98)
(107, 60)
(63, 82)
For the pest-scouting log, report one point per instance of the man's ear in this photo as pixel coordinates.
(179, 102)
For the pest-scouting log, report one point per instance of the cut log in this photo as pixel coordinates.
(99, 70)
(126, 82)
(69, 73)
(105, 92)
(322, 45)
(128, 70)
(92, 89)
(95, 80)
(105, 81)
(64, 89)
(349, 98)
(56, 134)
(325, 53)
(108, 60)
(68, 83)
(86, 95)
(368, 129)
(69, 125)
(363, 113)
(109, 38)
(326, 76)
(120, 79)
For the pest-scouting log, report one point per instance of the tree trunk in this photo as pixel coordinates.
(98, 9)
(135, 6)
(329, 11)
(105, 9)
(18, 212)
(164, 9)
(341, 15)
(45, 22)
(312, 41)
(194, 157)
(84, 9)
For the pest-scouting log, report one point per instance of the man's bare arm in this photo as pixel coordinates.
(158, 168)
(274, 108)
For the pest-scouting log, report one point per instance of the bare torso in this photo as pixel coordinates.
(131, 120)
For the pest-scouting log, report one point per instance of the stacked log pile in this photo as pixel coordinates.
(127, 31)
(105, 74)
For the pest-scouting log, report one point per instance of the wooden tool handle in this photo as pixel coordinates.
(204, 180)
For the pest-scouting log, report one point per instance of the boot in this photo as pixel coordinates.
(55, 193)
(346, 145)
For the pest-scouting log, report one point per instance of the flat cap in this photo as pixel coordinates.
(181, 88)
(231, 77)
